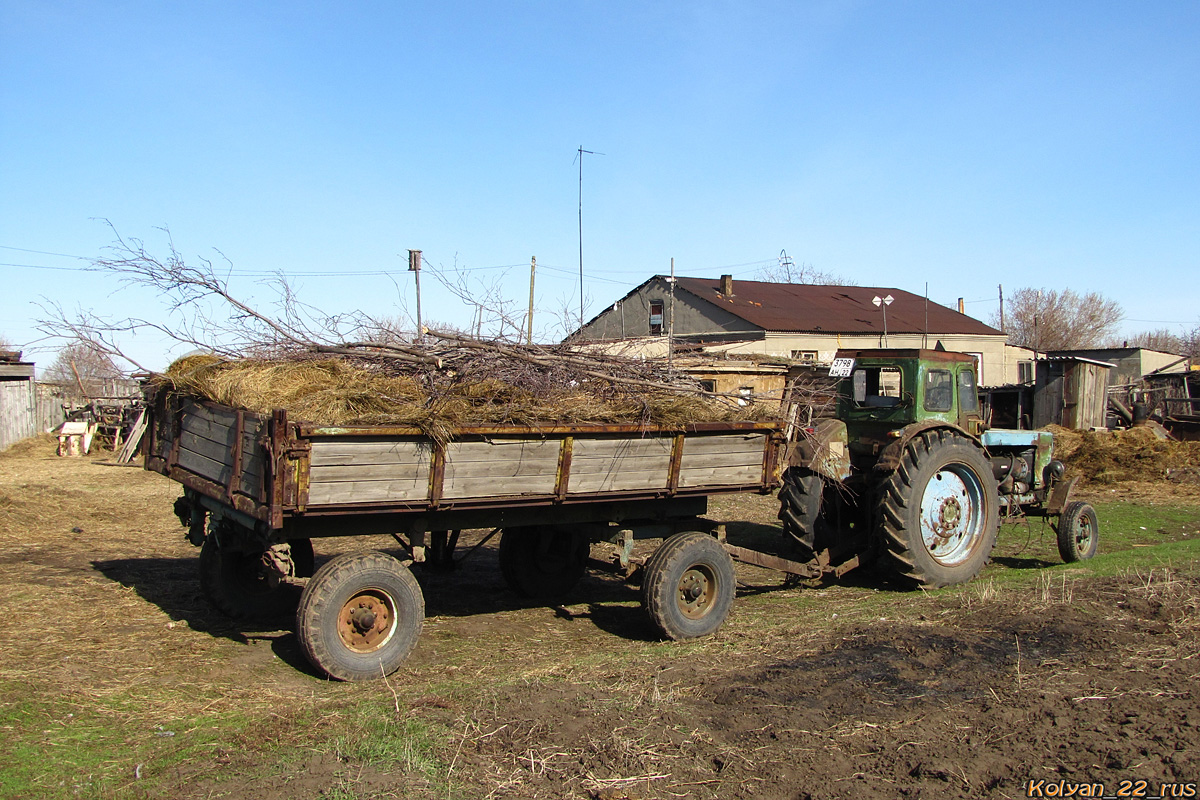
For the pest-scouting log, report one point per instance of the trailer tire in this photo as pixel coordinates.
(543, 561)
(360, 616)
(1078, 532)
(688, 586)
(800, 511)
(938, 511)
(235, 581)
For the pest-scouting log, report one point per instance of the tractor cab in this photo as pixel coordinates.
(883, 391)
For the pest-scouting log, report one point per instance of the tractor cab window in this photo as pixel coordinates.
(877, 387)
(939, 390)
(968, 394)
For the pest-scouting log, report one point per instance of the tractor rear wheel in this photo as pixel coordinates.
(938, 512)
(800, 511)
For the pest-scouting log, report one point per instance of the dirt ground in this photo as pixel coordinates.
(838, 691)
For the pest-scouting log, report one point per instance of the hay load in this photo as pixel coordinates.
(455, 383)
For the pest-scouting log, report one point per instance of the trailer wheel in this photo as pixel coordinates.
(543, 561)
(938, 511)
(360, 616)
(800, 510)
(688, 586)
(1078, 532)
(238, 583)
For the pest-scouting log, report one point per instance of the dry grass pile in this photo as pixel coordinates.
(467, 386)
(1136, 454)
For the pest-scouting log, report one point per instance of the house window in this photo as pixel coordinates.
(708, 385)
(656, 317)
(808, 356)
(745, 395)
(1024, 372)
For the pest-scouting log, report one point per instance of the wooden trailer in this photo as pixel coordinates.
(258, 488)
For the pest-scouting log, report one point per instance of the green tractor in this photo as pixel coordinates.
(909, 478)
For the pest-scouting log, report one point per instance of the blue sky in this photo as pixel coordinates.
(959, 145)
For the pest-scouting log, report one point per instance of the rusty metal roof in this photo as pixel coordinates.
(810, 308)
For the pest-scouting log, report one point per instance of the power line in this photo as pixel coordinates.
(41, 252)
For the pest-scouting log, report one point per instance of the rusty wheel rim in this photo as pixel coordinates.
(367, 621)
(696, 591)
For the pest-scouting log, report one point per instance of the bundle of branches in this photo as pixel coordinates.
(299, 359)
(455, 381)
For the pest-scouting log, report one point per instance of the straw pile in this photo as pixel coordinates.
(1136, 454)
(455, 386)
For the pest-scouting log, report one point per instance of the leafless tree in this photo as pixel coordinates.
(83, 371)
(1186, 343)
(202, 311)
(1048, 319)
(495, 316)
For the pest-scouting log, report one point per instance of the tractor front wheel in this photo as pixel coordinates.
(1078, 532)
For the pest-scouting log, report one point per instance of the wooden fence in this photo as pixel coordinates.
(27, 409)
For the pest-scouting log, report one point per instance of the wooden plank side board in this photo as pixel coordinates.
(368, 470)
(461, 487)
(207, 429)
(416, 472)
(501, 467)
(613, 465)
(366, 492)
(740, 443)
(720, 476)
(219, 416)
(253, 455)
(206, 447)
(351, 452)
(381, 469)
(508, 450)
(204, 466)
(723, 460)
(623, 480)
(606, 455)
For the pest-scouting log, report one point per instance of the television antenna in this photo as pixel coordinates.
(580, 153)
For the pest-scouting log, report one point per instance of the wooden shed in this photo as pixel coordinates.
(18, 399)
(1071, 391)
(26, 408)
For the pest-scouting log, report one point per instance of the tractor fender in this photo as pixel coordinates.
(889, 457)
(822, 448)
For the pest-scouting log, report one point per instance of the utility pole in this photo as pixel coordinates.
(414, 266)
(532, 270)
(1001, 286)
